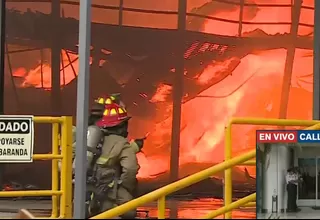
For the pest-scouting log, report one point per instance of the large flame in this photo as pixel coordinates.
(252, 90)
(40, 76)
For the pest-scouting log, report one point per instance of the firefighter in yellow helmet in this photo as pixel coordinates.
(95, 134)
(96, 113)
(116, 169)
(109, 99)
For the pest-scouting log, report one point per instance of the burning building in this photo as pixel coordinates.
(241, 58)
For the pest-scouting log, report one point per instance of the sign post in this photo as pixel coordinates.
(16, 139)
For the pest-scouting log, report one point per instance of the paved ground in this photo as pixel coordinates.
(182, 209)
(9, 208)
(305, 213)
(4, 215)
(10, 205)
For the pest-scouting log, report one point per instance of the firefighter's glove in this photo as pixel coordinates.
(139, 142)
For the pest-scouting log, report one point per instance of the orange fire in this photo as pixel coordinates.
(161, 94)
(253, 90)
(40, 76)
(214, 70)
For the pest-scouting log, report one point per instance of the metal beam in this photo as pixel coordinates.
(291, 49)
(178, 91)
(82, 108)
(2, 66)
(120, 12)
(55, 58)
(2, 52)
(316, 61)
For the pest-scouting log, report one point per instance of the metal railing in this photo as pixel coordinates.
(160, 194)
(62, 195)
(313, 125)
(234, 205)
(244, 159)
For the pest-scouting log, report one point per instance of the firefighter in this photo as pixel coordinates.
(95, 141)
(137, 144)
(106, 100)
(95, 134)
(117, 167)
(112, 98)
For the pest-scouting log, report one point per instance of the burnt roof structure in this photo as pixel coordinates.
(34, 30)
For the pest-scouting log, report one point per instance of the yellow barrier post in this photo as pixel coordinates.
(54, 156)
(234, 205)
(55, 169)
(66, 164)
(65, 192)
(228, 172)
(69, 188)
(63, 172)
(162, 207)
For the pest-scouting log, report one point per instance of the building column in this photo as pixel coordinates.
(2, 78)
(178, 91)
(276, 164)
(55, 59)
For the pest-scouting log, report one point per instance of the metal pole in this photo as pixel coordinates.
(2, 57)
(82, 108)
(286, 83)
(316, 62)
(240, 18)
(2, 52)
(55, 59)
(120, 12)
(178, 91)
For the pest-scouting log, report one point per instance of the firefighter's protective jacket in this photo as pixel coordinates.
(118, 153)
(94, 136)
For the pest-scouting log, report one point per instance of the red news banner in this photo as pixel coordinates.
(266, 136)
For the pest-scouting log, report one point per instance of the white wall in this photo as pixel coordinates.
(276, 165)
(307, 152)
